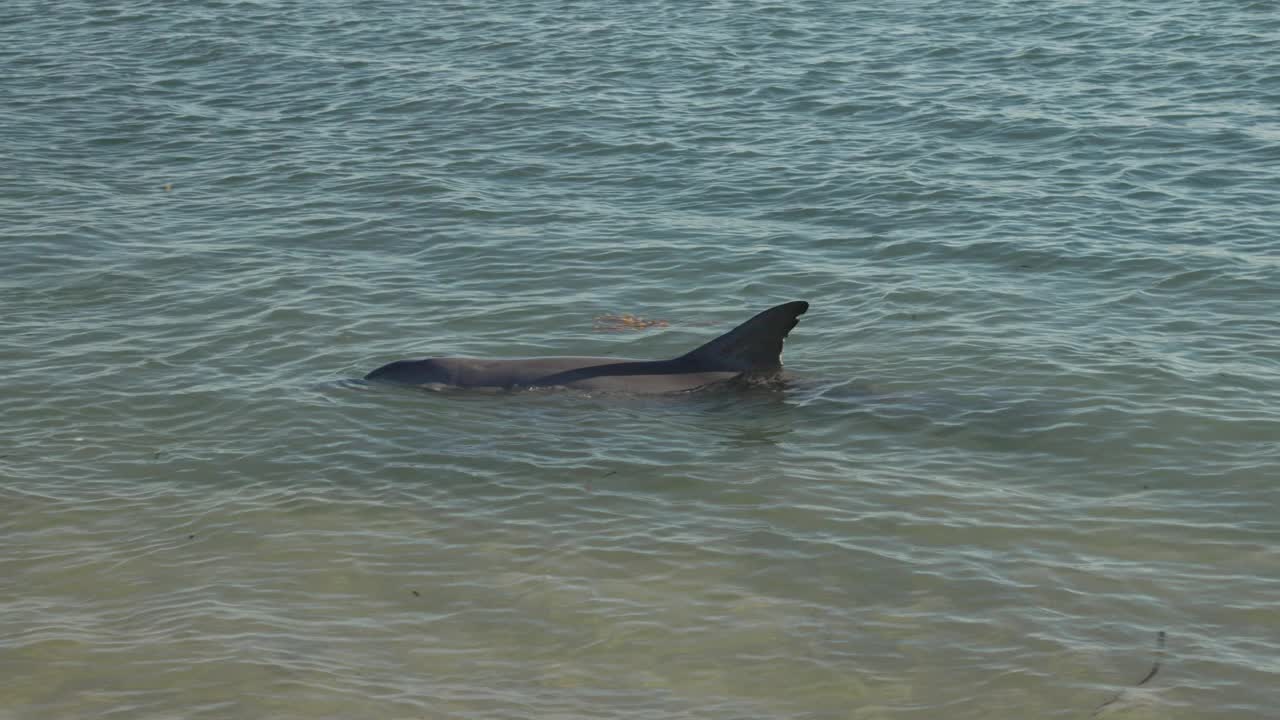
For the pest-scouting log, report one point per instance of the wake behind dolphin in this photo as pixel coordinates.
(752, 351)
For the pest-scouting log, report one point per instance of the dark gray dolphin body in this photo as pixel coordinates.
(753, 350)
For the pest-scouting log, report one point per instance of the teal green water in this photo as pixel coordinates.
(1034, 416)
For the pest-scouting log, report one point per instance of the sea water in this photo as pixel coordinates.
(1032, 420)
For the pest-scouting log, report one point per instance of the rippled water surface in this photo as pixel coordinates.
(1034, 412)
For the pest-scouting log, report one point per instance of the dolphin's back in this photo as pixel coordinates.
(753, 348)
(481, 372)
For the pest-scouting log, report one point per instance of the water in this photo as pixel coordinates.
(1033, 420)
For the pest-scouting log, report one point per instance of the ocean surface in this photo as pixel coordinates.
(1031, 421)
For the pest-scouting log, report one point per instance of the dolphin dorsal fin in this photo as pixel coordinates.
(753, 346)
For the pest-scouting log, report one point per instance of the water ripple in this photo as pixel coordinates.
(1031, 421)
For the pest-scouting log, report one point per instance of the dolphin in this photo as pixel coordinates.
(751, 352)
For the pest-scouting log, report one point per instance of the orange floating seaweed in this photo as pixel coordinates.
(621, 323)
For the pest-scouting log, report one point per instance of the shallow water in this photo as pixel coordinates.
(1032, 419)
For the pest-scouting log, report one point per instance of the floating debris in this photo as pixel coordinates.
(1155, 668)
(622, 323)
